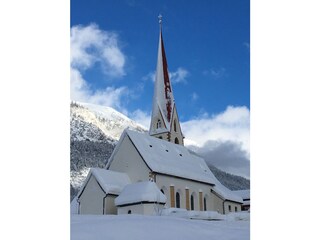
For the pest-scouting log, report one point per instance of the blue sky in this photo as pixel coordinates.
(207, 39)
(113, 61)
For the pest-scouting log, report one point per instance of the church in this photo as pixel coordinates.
(149, 172)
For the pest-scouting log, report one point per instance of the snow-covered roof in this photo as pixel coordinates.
(245, 194)
(140, 192)
(110, 181)
(169, 158)
(226, 193)
(175, 160)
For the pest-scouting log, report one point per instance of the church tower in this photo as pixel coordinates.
(164, 118)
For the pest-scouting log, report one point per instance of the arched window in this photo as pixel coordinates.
(129, 212)
(177, 200)
(176, 140)
(175, 125)
(159, 124)
(205, 204)
(192, 202)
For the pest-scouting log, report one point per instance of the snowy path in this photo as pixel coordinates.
(136, 227)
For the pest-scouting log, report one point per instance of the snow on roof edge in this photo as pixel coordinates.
(140, 192)
(99, 180)
(110, 187)
(226, 194)
(245, 194)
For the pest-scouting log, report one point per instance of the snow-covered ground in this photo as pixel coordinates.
(138, 227)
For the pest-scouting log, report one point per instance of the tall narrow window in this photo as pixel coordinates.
(159, 124)
(176, 140)
(175, 125)
(177, 200)
(229, 208)
(205, 204)
(192, 202)
(235, 209)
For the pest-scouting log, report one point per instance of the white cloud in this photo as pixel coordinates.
(80, 91)
(115, 61)
(216, 73)
(91, 45)
(178, 76)
(151, 76)
(223, 139)
(227, 156)
(231, 125)
(141, 117)
(194, 96)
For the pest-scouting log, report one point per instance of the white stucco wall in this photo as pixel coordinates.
(178, 133)
(221, 205)
(91, 199)
(110, 207)
(232, 205)
(128, 160)
(143, 209)
(218, 203)
(154, 123)
(180, 185)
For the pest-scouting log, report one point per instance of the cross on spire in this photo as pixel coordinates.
(160, 19)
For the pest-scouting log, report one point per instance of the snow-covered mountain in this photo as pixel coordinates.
(94, 132)
(97, 123)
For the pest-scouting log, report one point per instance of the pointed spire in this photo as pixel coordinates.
(163, 110)
(163, 97)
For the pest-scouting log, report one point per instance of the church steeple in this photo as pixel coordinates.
(164, 119)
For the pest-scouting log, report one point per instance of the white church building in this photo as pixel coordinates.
(148, 172)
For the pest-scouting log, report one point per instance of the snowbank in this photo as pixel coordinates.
(183, 213)
(137, 227)
(238, 216)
